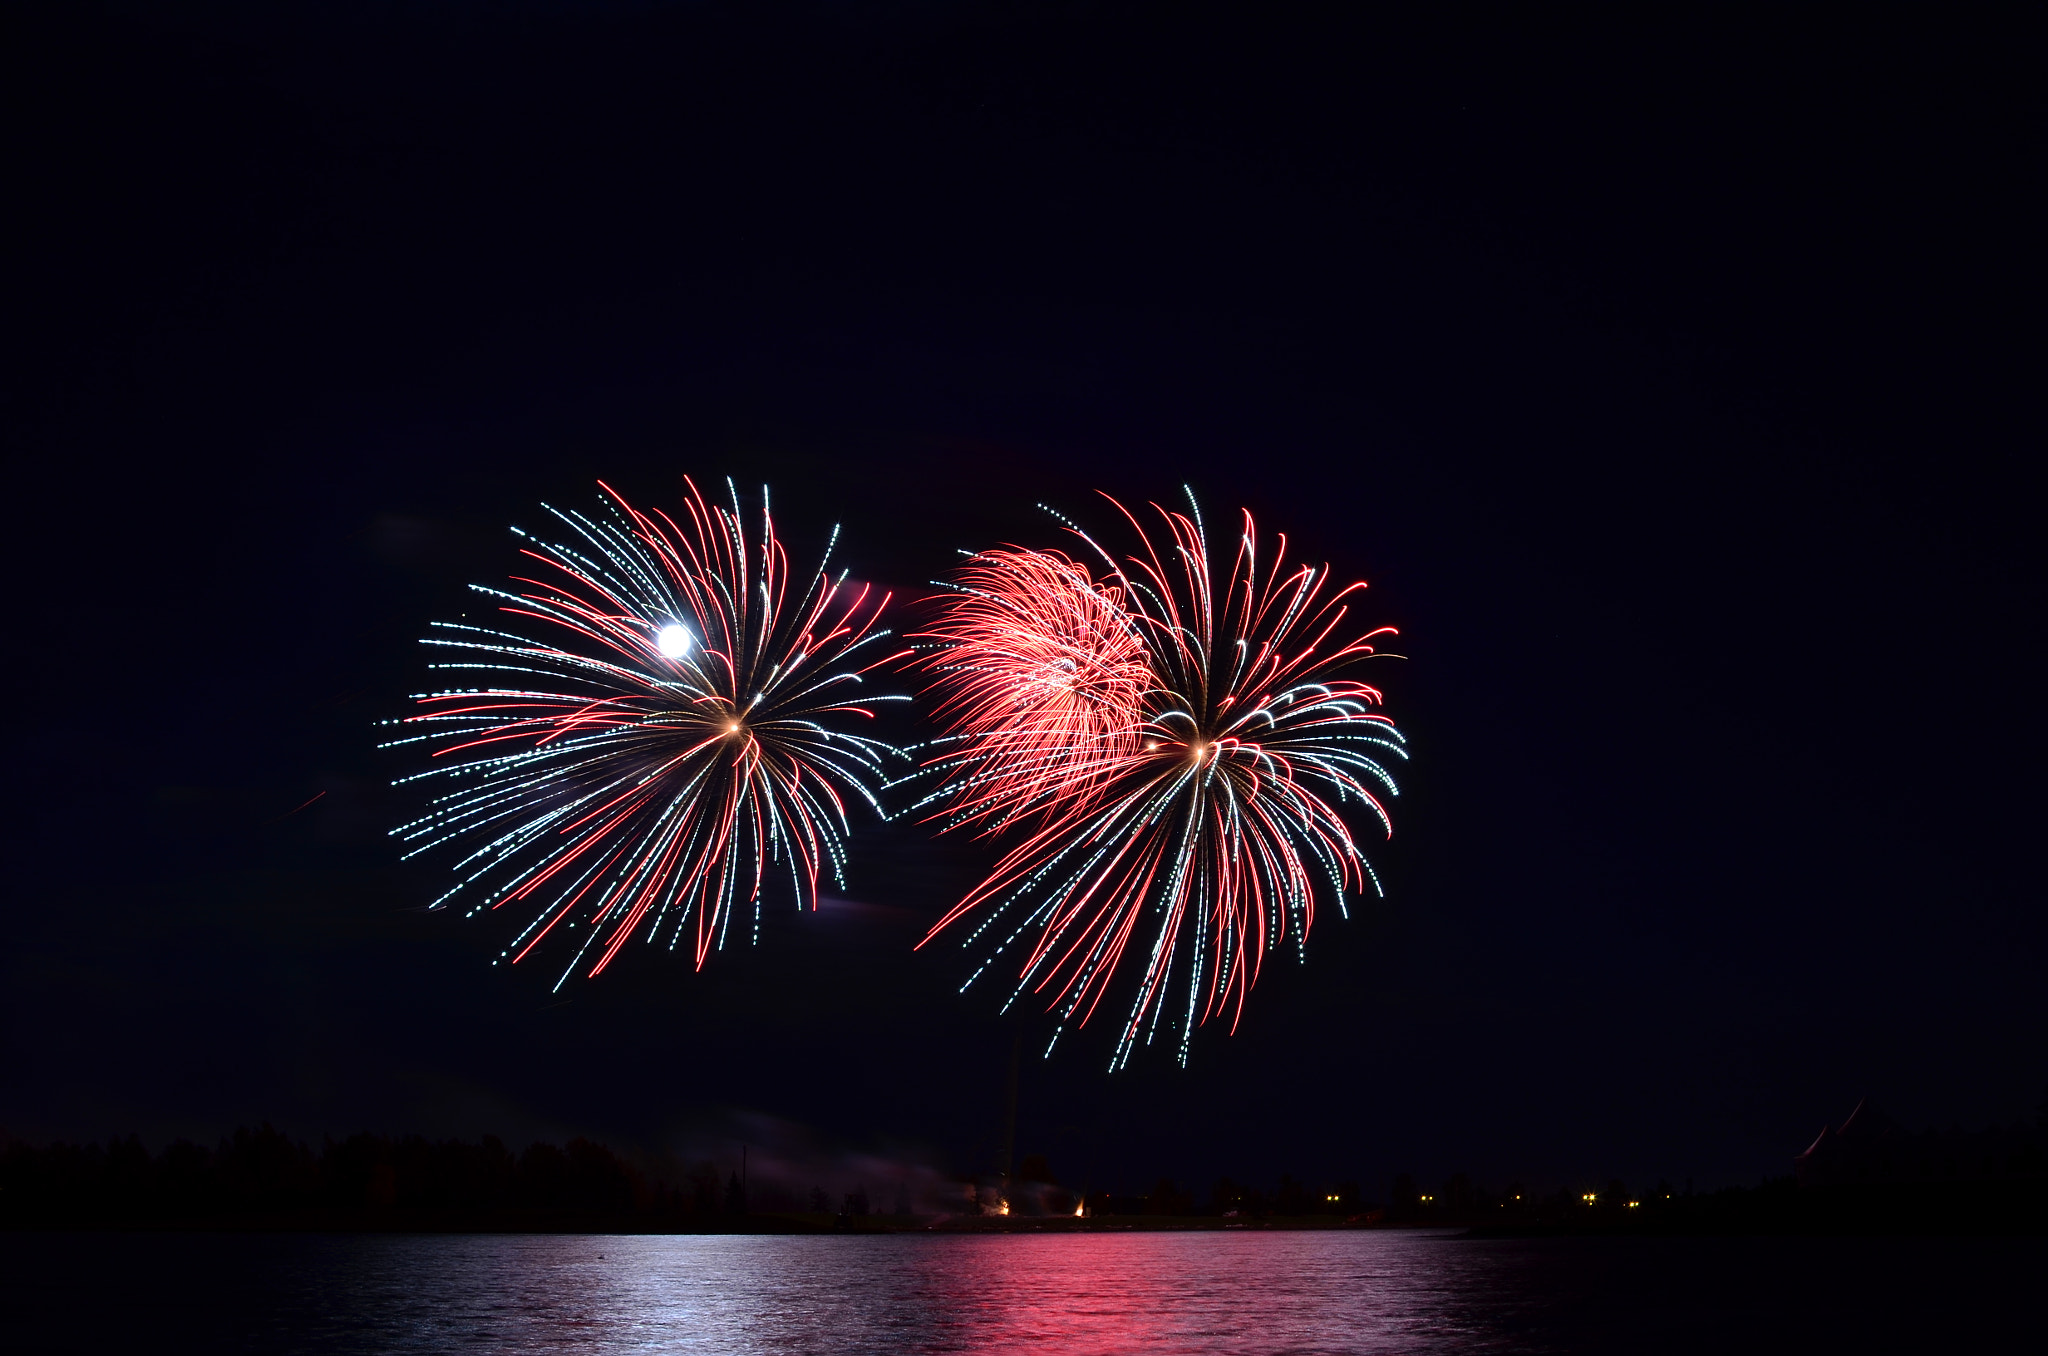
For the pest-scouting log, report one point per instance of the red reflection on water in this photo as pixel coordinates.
(1121, 1292)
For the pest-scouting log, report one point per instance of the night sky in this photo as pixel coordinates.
(1677, 388)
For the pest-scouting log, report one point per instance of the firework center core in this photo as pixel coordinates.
(673, 641)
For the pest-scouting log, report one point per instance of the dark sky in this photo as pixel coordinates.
(1677, 387)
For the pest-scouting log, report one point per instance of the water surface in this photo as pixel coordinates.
(1077, 1295)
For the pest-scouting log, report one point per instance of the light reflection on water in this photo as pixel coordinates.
(1079, 1294)
(1073, 1294)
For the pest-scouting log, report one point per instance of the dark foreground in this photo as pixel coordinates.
(1297, 1292)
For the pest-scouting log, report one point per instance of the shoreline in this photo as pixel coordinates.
(1807, 1223)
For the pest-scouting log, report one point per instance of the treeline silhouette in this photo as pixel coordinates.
(2009, 1202)
(263, 1174)
(1236, 1200)
(1868, 1175)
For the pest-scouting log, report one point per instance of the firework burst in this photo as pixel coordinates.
(665, 731)
(1044, 680)
(1173, 755)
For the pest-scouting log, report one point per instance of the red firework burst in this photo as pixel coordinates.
(1181, 790)
(1044, 680)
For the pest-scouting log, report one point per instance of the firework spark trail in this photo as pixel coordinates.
(1173, 763)
(678, 732)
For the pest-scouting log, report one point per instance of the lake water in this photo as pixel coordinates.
(1076, 1295)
